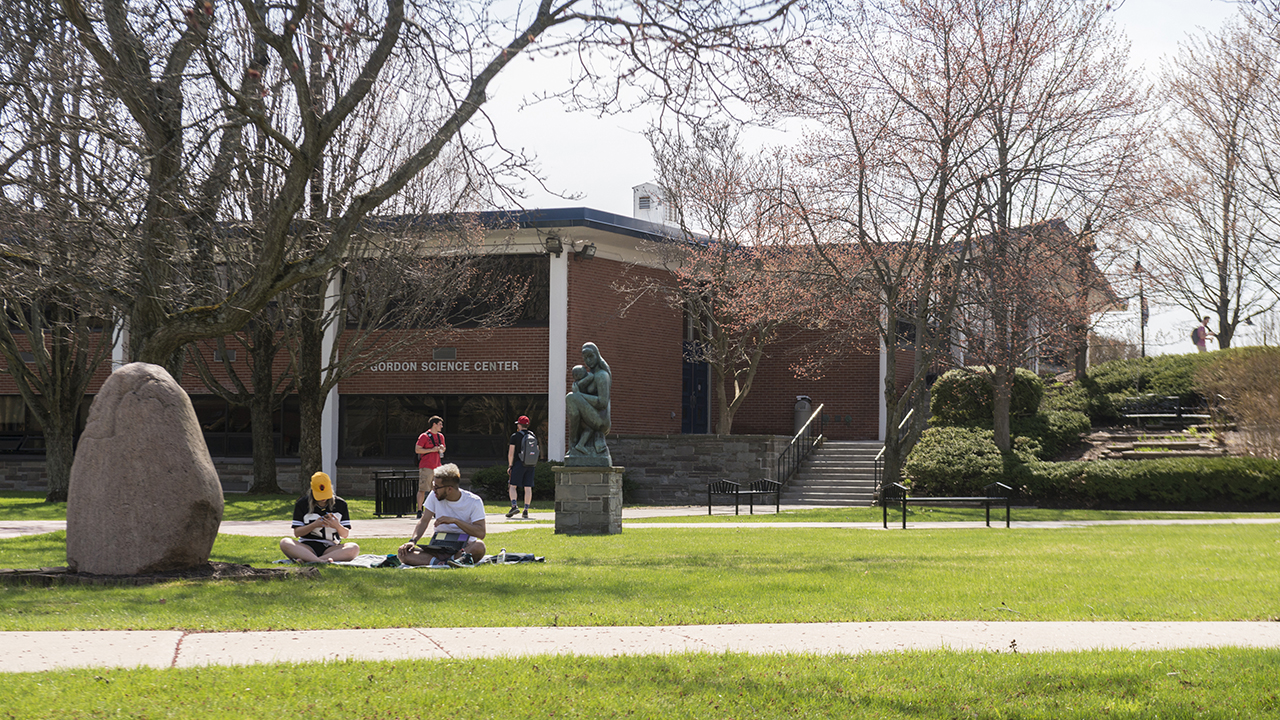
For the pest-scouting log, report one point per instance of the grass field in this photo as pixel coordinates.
(713, 575)
(919, 686)
(687, 576)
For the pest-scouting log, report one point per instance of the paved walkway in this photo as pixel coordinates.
(390, 527)
(41, 651)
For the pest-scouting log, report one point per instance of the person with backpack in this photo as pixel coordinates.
(522, 458)
(1201, 334)
(430, 450)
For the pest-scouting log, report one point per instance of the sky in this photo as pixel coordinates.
(599, 159)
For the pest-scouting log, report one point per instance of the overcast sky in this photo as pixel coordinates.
(600, 159)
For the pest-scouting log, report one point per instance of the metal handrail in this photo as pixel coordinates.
(880, 455)
(799, 448)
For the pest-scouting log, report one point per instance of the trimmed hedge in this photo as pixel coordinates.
(1164, 481)
(1110, 383)
(964, 396)
(1053, 431)
(959, 461)
(491, 483)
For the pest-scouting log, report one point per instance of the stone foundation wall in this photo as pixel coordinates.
(675, 469)
(660, 469)
(28, 475)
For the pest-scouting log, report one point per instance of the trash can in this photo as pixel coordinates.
(803, 408)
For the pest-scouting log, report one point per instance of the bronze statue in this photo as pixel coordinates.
(587, 410)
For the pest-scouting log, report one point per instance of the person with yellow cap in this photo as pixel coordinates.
(320, 524)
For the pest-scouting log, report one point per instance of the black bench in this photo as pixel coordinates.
(1162, 409)
(759, 488)
(395, 492)
(996, 494)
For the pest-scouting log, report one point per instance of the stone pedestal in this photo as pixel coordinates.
(588, 500)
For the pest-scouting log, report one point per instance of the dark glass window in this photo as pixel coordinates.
(386, 427)
(228, 430)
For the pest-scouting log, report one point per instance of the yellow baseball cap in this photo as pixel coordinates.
(321, 486)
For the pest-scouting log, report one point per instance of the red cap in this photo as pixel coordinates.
(522, 420)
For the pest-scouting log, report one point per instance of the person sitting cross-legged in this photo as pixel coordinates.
(453, 510)
(320, 523)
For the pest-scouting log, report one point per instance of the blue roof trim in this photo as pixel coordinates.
(544, 218)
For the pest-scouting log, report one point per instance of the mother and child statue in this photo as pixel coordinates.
(587, 411)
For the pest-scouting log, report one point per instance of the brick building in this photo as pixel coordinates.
(479, 381)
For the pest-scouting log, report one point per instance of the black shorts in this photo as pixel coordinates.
(521, 476)
(316, 546)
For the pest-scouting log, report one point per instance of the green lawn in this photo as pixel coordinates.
(916, 686)
(696, 576)
(711, 575)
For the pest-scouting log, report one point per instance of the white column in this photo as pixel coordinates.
(557, 354)
(884, 403)
(120, 350)
(329, 417)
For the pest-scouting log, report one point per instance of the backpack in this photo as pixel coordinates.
(529, 450)
(1195, 335)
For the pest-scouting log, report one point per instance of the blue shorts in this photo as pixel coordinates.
(521, 476)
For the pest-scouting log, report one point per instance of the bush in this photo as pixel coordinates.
(1054, 431)
(1242, 382)
(1170, 482)
(1065, 396)
(964, 396)
(953, 461)
(491, 483)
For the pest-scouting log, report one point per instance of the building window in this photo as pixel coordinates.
(646, 202)
(228, 431)
(384, 428)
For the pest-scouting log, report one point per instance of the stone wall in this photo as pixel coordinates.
(660, 469)
(675, 469)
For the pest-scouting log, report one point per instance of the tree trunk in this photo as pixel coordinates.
(264, 452)
(1001, 396)
(59, 453)
(262, 405)
(310, 363)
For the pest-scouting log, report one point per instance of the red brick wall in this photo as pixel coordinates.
(848, 390)
(641, 344)
(489, 361)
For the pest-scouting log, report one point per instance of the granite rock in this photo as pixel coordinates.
(144, 495)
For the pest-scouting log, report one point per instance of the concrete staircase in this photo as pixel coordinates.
(836, 473)
(1133, 445)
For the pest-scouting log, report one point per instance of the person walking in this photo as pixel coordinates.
(519, 468)
(1202, 333)
(430, 449)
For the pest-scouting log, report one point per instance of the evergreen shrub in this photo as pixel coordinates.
(960, 461)
(964, 396)
(1179, 482)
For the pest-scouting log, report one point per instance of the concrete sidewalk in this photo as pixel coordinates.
(41, 651)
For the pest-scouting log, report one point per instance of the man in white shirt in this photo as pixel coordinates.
(454, 510)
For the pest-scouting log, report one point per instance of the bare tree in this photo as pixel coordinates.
(1213, 240)
(884, 190)
(719, 277)
(1062, 101)
(191, 95)
(53, 337)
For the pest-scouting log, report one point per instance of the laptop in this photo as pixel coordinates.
(449, 542)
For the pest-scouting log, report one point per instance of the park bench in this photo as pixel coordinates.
(996, 494)
(759, 488)
(395, 492)
(1163, 409)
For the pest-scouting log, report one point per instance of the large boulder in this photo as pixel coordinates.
(144, 495)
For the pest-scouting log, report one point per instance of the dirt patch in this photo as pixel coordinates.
(46, 577)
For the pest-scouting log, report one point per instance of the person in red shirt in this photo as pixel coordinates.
(430, 449)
